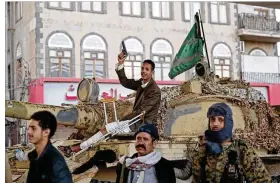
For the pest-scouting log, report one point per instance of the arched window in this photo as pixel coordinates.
(133, 62)
(257, 52)
(18, 65)
(162, 54)
(222, 59)
(19, 57)
(19, 52)
(94, 53)
(60, 52)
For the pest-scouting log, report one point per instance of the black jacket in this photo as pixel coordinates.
(164, 171)
(50, 167)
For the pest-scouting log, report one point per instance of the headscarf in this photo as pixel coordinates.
(215, 138)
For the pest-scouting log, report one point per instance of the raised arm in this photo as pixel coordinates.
(127, 83)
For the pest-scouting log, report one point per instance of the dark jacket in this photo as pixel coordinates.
(164, 171)
(50, 167)
(147, 99)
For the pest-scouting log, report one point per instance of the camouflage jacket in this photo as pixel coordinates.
(250, 164)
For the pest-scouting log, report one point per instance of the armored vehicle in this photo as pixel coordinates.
(181, 121)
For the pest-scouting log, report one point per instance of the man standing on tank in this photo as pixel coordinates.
(148, 93)
(147, 101)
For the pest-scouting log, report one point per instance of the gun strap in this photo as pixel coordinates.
(202, 172)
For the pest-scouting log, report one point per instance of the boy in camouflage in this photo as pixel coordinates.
(223, 159)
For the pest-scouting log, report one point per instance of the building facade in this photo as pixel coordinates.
(59, 43)
(259, 33)
(81, 39)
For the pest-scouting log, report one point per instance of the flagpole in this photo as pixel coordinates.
(191, 71)
(204, 39)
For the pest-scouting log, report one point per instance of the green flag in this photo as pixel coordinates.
(190, 53)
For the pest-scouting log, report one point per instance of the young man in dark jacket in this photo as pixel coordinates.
(47, 165)
(148, 94)
(146, 165)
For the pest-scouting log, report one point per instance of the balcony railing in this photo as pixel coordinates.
(256, 22)
(258, 77)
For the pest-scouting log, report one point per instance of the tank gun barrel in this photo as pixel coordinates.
(24, 110)
(79, 116)
(88, 117)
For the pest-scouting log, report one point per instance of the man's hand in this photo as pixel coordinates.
(142, 117)
(121, 58)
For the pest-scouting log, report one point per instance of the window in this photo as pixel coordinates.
(132, 8)
(218, 12)
(162, 56)
(189, 7)
(94, 7)
(9, 13)
(19, 52)
(133, 62)
(94, 54)
(60, 51)
(19, 72)
(18, 65)
(18, 10)
(261, 12)
(65, 5)
(257, 52)
(9, 77)
(277, 15)
(222, 60)
(161, 10)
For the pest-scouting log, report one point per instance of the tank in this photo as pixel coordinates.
(181, 120)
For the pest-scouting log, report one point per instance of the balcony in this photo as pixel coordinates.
(261, 69)
(254, 27)
(258, 77)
